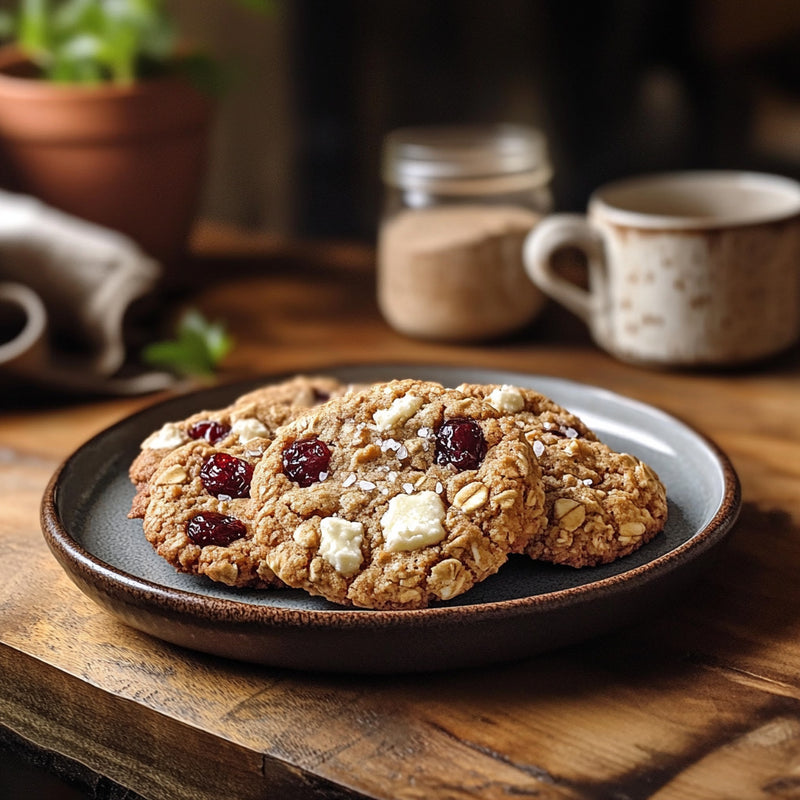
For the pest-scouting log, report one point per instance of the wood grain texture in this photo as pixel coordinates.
(701, 701)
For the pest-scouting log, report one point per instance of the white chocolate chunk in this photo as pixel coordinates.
(340, 544)
(168, 436)
(249, 428)
(506, 399)
(401, 409)
(413, 521)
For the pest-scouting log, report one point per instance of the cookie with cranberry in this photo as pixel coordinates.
(396, 496)
(539, 417)
(248, 423)
(600, 504)
(199, 516)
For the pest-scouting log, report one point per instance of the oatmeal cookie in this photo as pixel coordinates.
(600, 504)
(535, 414)
(302, 391)
(395, 496)
(199, 515)
(254, 415)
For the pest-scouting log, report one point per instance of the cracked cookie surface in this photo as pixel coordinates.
(395, 496)
(600, 505)
(255, 415)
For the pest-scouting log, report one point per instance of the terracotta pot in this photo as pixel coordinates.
(129, 158)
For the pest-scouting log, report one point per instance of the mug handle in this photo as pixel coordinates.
(552, 234)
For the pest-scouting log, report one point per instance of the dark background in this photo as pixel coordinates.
(618, 86)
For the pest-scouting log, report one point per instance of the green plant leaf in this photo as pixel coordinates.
(32, 30)
(131, 40)
(196, 350)
(217, 341)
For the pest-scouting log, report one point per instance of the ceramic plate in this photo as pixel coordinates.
(527, 607)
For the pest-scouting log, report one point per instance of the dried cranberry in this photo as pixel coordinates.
(305, 460)
(209, 527)
(460, 442)
(224, 474)
(209, 430)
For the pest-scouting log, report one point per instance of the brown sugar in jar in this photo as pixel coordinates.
(455, 272)
(459, 204)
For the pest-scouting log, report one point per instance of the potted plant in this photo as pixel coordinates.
(102, 116)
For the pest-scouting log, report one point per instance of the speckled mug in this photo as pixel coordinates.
(685, 268)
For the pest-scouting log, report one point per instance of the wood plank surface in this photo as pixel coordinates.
(699, 701)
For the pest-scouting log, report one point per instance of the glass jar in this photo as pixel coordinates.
(458, 204)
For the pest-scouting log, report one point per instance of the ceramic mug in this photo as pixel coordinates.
(684, 269)
(23, 330)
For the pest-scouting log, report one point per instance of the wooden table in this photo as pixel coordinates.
(702, 701)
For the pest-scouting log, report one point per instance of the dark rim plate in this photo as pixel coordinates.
(527, 607)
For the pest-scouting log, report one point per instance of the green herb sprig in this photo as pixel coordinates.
(197, 349)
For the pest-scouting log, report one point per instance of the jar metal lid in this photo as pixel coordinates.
(413, 156)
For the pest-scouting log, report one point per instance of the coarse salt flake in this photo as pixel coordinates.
(538, 448)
